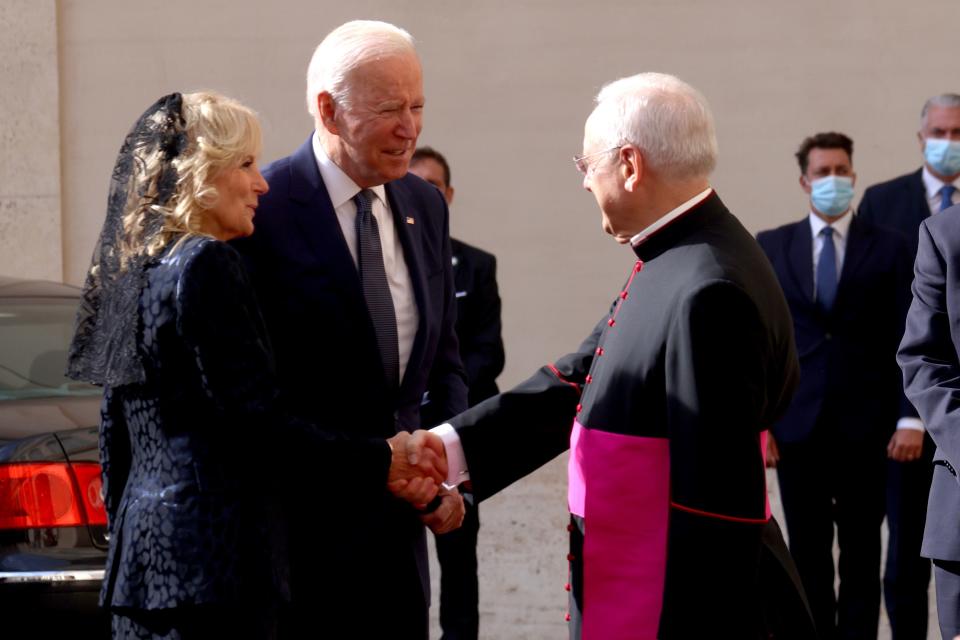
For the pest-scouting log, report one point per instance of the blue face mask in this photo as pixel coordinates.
(831, 195)
(942, 155)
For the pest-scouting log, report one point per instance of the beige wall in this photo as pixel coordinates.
(30, 231)
(508, 84)
(508, 87)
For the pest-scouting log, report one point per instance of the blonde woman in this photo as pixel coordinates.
(192, 438)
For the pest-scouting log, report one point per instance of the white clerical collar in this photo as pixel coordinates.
(663, 221)
(841, 226)
(340, 187)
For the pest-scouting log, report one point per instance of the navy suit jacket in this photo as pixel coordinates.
(931, 371)
(900, 204)
(329, 367)
(847, 356)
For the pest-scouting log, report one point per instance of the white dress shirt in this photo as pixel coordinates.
(933, 185)
(342, 189)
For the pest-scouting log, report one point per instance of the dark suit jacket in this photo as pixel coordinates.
(900, 204)
(352, 553)
(189, 455)
(847, 365)
(931, 371)
(699, 353)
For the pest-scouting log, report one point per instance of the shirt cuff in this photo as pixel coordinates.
(456, 461)
(916, 424)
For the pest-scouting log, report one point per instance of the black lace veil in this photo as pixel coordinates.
(104, 346)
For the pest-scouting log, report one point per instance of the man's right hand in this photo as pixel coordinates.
(418, 466)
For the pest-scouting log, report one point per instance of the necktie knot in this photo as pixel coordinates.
(363, 201)
(946, 196)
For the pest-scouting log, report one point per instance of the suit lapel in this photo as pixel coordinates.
(408, 231)
(318, 221)
(801, 258)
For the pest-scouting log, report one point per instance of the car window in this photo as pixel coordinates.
(34, 336)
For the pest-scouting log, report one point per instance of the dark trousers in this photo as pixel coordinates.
(906, 577)
(947, 576)
(459, 591)
(825, 481)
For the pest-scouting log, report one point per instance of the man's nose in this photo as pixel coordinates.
(408, 124)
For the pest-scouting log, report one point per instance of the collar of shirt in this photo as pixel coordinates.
(664, 220)
(841, 226)
(340, 187)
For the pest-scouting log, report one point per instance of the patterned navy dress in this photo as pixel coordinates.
(196, 542)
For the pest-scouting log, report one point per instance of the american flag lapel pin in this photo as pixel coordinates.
(410, 220)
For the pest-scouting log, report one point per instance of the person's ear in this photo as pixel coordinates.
(327, 112)
(631, 167)
(449, 195)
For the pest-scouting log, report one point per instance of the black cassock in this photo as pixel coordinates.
(664, 405)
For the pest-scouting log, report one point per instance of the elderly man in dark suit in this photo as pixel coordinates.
(351, 262)
(903, 203)
(845, 281)
(930, 361)
(664, 404)
(481, 349)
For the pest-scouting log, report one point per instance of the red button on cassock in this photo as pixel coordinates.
(589, 378)
(567, 617)
(599, 351)
(611, 322)
(571, 557)
(623, 294)
(579, 408)
(566, 587)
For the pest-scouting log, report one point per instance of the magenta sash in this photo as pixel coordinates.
(620, 486)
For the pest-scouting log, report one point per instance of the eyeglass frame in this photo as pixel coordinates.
(583, 167)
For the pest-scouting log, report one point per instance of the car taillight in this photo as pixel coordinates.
(50, 494)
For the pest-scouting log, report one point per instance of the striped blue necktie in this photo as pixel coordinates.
(376, 289)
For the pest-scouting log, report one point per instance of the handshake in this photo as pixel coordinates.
(418, 468)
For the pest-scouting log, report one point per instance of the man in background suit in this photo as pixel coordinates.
(351, 262)
(931, 369)
(903, 203)
(481, 349)
(844, 282)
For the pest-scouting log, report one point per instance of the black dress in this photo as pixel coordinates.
(192, 458)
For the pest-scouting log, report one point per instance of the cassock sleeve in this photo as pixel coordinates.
(719, 359)
(928, 354)
(512, 434)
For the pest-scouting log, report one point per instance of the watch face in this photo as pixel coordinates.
(454, 260)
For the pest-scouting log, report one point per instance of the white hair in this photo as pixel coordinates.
(666, 118)
(344, 49)
(948, 100)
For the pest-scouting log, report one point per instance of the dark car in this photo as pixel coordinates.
(53, 534)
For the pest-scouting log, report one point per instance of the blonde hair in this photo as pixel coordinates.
(218, 133)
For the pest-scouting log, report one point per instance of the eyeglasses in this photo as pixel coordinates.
(581, 161)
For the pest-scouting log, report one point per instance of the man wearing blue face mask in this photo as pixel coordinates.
(844, 282)
(903, 203)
